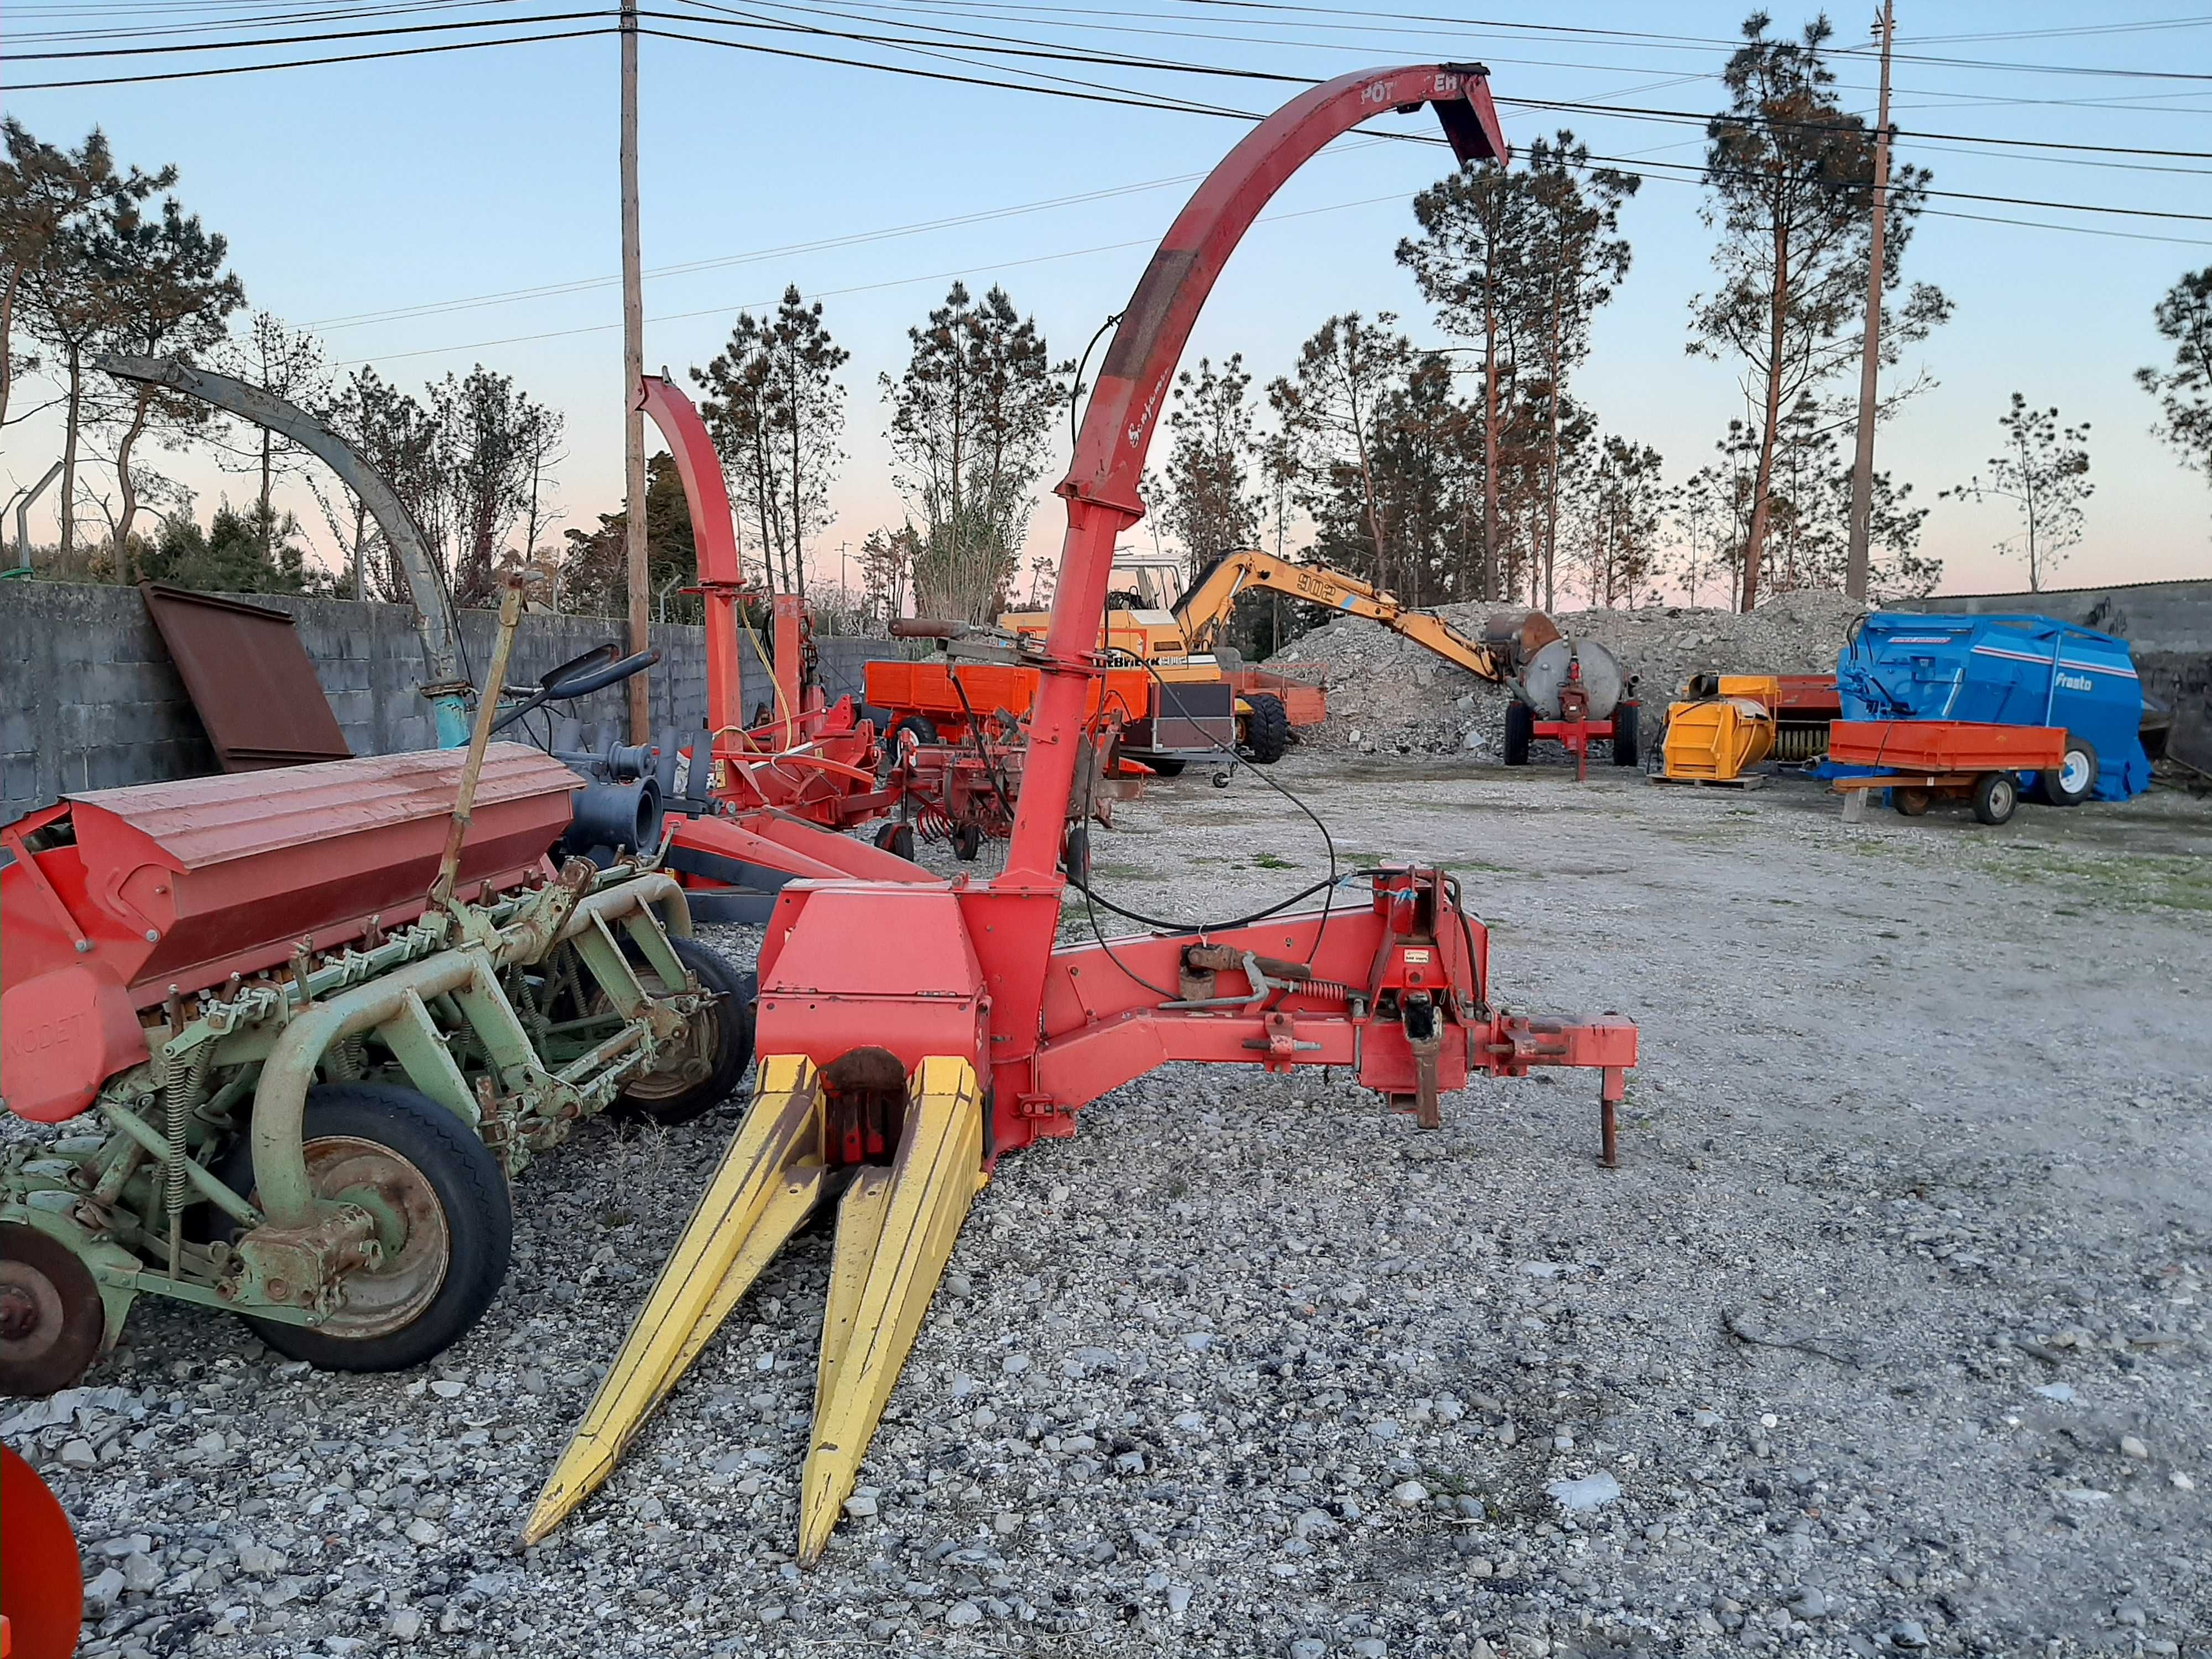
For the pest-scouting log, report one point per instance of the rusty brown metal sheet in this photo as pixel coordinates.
(249, 677)
(200, 822)
(188, 882)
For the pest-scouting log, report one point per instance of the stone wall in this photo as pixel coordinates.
(92, 701)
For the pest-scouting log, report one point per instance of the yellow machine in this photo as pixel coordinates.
(1725, 728)
(1151, 615)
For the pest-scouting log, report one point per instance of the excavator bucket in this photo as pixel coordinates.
(896, 1229)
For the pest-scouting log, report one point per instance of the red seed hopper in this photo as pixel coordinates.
(114, 899)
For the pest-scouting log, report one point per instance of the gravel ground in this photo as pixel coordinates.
(1890, 1332)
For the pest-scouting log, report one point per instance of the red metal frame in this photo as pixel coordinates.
(1394, 986)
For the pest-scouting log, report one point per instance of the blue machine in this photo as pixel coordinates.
(2006, 671)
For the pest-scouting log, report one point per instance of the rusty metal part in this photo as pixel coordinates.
(305, 1266)
(249, 678)
(51, 1317)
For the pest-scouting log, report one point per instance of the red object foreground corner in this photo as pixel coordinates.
(41, 1576)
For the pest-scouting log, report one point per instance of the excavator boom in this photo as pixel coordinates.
(1205, 608)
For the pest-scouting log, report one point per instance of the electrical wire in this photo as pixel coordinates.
(308, 62)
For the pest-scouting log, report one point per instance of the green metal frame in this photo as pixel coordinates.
(433, 1006)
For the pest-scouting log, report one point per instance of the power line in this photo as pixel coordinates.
(311, 39)
(309, 62)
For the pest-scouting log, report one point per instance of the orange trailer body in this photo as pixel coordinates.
(926, 689)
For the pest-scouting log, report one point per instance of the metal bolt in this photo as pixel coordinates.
(84, 947)
(152, 936)
(19, 1313)
(276, 1289)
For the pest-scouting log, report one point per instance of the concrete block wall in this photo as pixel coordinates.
(2168, 628)
(89, 699)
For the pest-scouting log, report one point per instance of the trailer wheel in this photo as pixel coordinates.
(967, 841)
(51, 1317)
(910, 732)
(1520, 731)
(2070, 786)
(1075, 854)
(1168, 767)
(1911, 803)
(896, 839)
(1267, 729)
(717, 1051)
(1625, 723)
(443, 1216)
(1996, 793)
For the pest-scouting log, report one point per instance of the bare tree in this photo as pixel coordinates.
(168, 297)
(1330, 412)
(971, 417)
(1208, 506)
(2185, 391)
(48, 196)
(777, 415)
(1791, 174)
(288, 361)
(2044, 471)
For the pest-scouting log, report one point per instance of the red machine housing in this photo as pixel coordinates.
(1394, 986)
(114, 898)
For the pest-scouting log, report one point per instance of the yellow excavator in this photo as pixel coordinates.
(1203, 611)
(1174, 630)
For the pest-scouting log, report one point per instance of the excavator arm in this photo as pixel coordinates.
(1203, 609)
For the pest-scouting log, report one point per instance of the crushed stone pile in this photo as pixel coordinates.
(1387, 696)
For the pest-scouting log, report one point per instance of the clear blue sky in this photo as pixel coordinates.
(369, 186)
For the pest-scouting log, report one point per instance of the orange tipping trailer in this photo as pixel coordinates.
(1920, 760)
(951, 697)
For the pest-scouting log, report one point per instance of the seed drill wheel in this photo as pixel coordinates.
(713, 1054)
(967, 841)
(51, 1317)
(442, 1214)
(896, 839)
(41, 1575)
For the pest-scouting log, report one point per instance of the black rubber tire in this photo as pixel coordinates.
(1625, 723)
(1075, 853)
(920, 727)
(1995, 794)
(967, 841)
(1909, 803)
(1267, 729)
(1520, 731)
(1167, 767)
(2051, 786)
(896, 839)
(471, 1194)
(733, 1042)
(68, 1321)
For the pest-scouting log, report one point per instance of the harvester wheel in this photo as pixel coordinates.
(896, 839)
(1520, 732)
(1624, 734)
(442, 1215)
(1996, 793)
(2070, 786)
(1267, 729)
(1909, 803)
(715, 1054)
(1167, 766)
(51, 1317)
(967, 841)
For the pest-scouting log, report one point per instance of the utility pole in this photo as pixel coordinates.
(1855, 569)
(640, 632)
